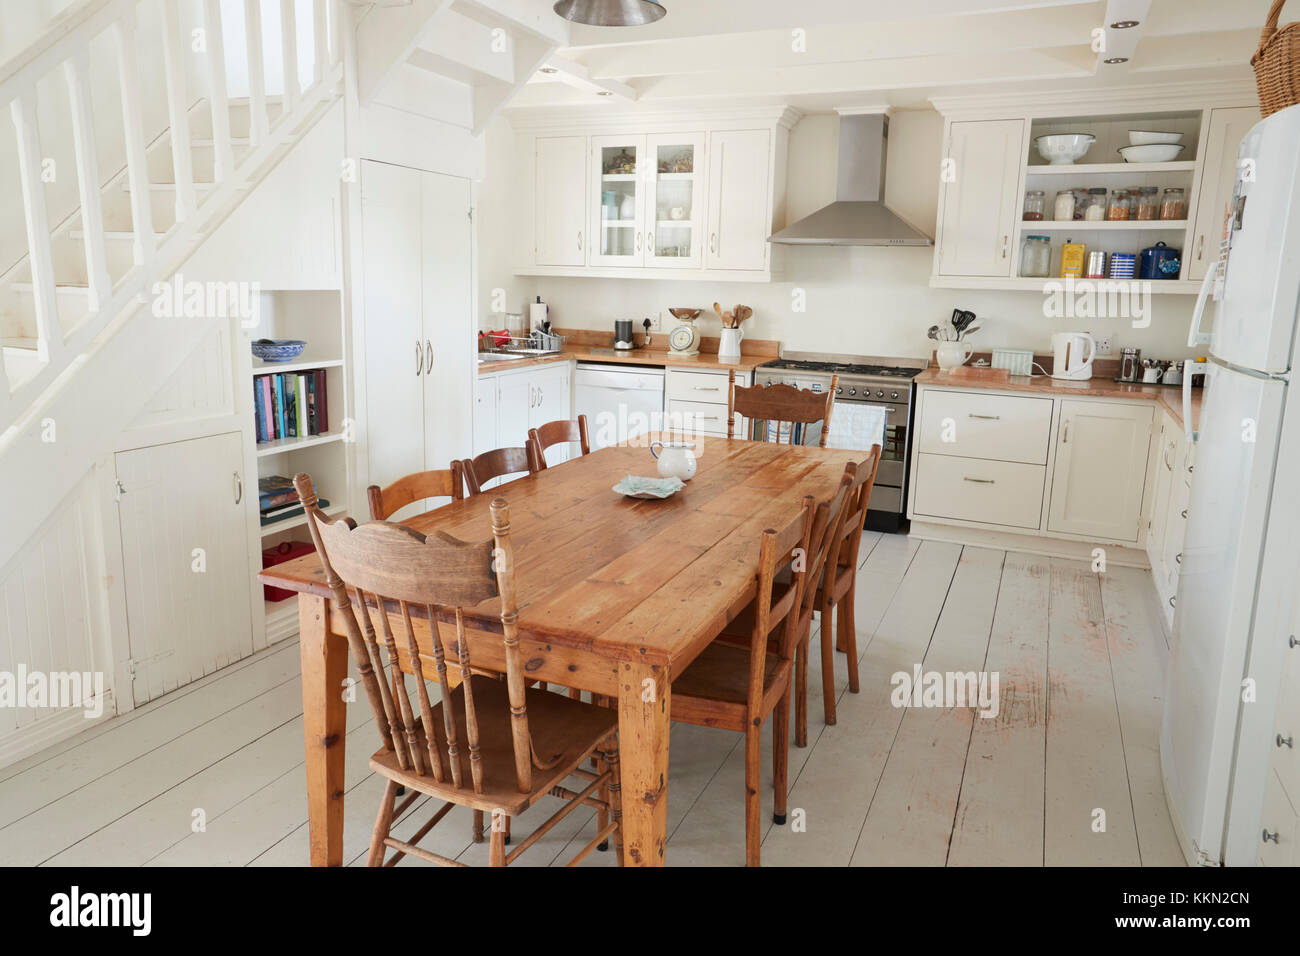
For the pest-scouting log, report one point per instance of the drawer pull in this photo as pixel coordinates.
(1270, 837)
(991, 418)
(707, 388)
(1184, 512)
(1292, 642)
(979, 481)
(1173, 601)
(1288, 742)
(1178, 558)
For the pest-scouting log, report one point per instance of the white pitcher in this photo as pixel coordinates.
(952, 354)
(676, 459)
(729, 345)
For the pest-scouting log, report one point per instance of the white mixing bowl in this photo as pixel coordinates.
(1062, 149)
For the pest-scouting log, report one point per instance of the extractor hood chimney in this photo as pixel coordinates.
(858, 217)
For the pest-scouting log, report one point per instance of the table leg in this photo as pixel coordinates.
(643, 710)
(324, 720)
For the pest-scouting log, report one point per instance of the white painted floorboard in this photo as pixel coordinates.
(1080, 658)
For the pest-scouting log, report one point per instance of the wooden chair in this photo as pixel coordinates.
(491, 745)
(565, 430)
(783, 404)
(736, 686)
(423, 484)
(498, 463)
(838, 584)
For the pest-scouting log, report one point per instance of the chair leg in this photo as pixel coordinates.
(478, 826)
(575, 694)
(497, 847)
(780, 758)
(828, 666)
(801, 694)
(506, 838)
(615, 797)
(848, 635)
(382, 825)
(602, 816)
(753, 805)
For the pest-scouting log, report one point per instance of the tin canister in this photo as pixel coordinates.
(1095, 265)
(1160, 262)
(1122, 265)
(1072, 259)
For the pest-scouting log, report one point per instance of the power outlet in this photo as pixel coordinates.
(1103, 345)
(655, 321)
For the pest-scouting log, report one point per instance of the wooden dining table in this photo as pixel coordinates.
(616, 596)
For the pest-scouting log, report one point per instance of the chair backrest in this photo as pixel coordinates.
(416, 487)
(395, 574)
(498, 463)
(827, 525)
(855, 512)
(552, 433)
(783, 404)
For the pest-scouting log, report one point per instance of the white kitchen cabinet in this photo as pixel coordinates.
(514, 410)
(560, 200)
(739, 219)
(185, 560)
(618, 179)
(1166, 473)
(418, 323)
(675, 198)
(1280, 827)
(1227, 128)
(979, 201)
(984, 425)
(1101, 459)
(485, 414)
(972, 489)
(513, 401)
(696, 400)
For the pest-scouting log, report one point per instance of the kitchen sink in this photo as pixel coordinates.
(497, 356)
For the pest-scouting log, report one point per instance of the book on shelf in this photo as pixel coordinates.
(289, 511)
(290, 405)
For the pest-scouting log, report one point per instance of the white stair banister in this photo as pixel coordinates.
(257, 125)
(320, 36)
(177, 112)
(137, 162)
(77, 68)
(49, 332)
(289, 46)
(223, 156)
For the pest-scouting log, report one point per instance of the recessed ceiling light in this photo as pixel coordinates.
(604, 93)
(549, 69)
(611, 13)
(1124, 24)
(1116, 59)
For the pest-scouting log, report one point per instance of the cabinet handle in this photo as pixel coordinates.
(706, 388)
(239, 488)
(428, 356)
(1269, 837)
(979, 481)
(1178, 558)
(579, 240)
(1285, 741)
(539, 396)
(419, 358)
(1004, 247)
(990, 418)
(530, 396)
(1065, 432)
(1292, 642)
(1200, 246)
(1184, 512)
(638, 242)
(713, 242)
(1173, 601)
(650, 243)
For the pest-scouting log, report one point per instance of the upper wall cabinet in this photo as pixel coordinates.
(992, 167)
(674, 198)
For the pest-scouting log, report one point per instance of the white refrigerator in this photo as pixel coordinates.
(1240, 570)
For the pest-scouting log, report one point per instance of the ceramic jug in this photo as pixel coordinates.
(676, 459)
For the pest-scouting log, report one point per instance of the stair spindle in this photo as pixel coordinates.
(178, 112)
(320, 50)
(289, 46)
(48, 331)
(223, 156)
(257, 125)
(100, 286)
(137, 157)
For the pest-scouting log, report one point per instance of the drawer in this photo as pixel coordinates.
(1286, 760)
(693, 386)
(991, 492)
(705, 417)
(998, 427)
(1280, 824)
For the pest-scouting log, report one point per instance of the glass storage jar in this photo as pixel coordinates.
(1095, 208)
(1063, 208)
(1119, 207)
(1147, 203)
(1172, 204)
(1035, 205)
(1035, 257)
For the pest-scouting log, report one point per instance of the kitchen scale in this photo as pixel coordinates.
(684, 339)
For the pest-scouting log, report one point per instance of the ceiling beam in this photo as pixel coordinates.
(1121, 43)
(579, 77)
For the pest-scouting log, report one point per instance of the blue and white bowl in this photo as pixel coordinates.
(278, 350)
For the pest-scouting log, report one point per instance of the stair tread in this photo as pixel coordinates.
(126, 186)
(70, 288)
(24, 343)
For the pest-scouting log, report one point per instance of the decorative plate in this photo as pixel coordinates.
(634, 486)
(278, 350)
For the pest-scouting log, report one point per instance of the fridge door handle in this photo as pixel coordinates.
(1195, 336)
(1190, 369)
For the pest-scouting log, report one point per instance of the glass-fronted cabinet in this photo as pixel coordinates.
(674, 210)
(617, 214)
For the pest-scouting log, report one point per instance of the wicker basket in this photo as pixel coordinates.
(1277, 63)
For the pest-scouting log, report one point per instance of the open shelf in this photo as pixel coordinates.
(298, 520)
(618, 178)
(675, 224)
(1082, 225)
(1099, 169)
(1158, 286)
(280, 445)
(299, 364)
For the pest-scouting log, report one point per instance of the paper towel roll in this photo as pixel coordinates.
(537, 313)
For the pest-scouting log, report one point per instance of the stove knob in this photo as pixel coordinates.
(893, 396)
(853, 391)
(839, 389)
(880, 394)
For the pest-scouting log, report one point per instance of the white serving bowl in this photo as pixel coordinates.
(1147, 137)
(1062, 149)
(1155, 153)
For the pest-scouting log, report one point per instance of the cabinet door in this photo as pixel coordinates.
(514, 402)
(675, 200)
(449, 327)
(394, 335)
(618, 170)
(187, 609)
(549, 402)
(1166, 473)
(978, 206)
(560, 200)
(740, 174)
(485, 415)
(1101, 460)
(1225, 131)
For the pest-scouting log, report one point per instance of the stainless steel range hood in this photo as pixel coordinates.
(858, 217)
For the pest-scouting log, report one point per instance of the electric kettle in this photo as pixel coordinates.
(1068, 350)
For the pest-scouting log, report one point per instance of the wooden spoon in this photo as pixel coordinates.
(742, 312)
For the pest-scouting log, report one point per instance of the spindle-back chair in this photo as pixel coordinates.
(498, 463)
(416, 487)
(564, 430)
(792, 410)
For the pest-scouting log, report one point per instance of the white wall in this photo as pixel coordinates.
(860, 300)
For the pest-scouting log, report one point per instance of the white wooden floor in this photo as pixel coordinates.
(212, 774)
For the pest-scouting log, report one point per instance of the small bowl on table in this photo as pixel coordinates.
(278, 350)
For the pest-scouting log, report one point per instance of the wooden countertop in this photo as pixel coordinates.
(650, 358)
(1170, 398)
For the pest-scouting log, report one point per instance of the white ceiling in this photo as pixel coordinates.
(824, 54)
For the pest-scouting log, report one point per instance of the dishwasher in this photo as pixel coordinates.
(620, 402)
